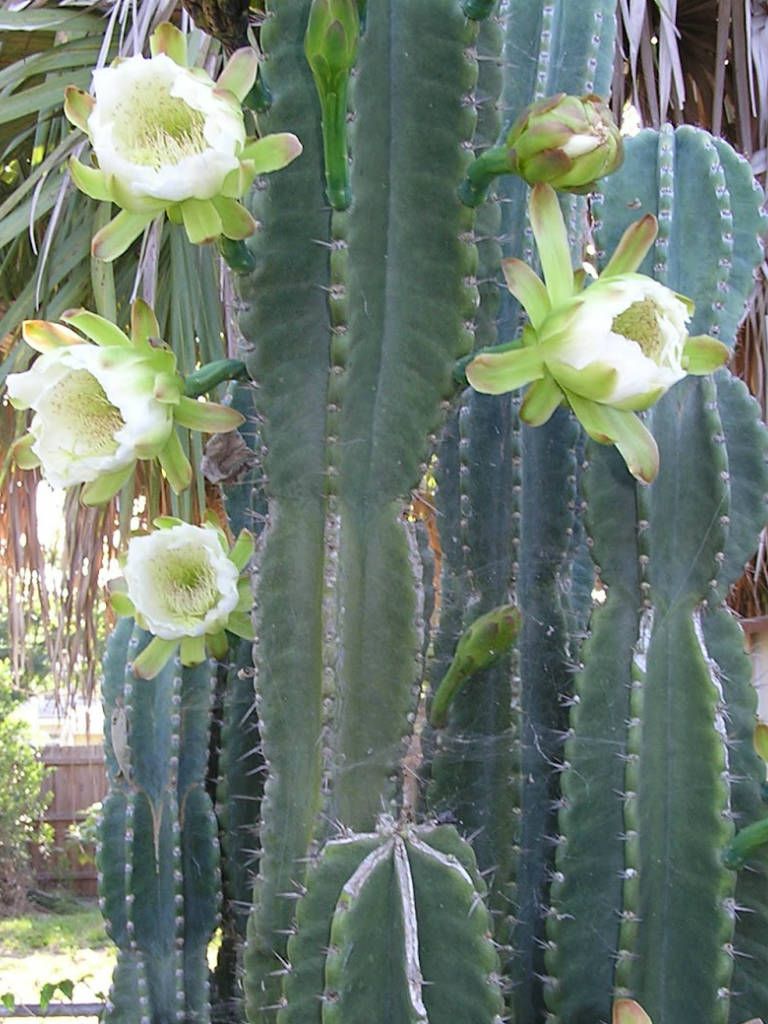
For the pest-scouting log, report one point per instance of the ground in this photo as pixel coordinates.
(37, 947)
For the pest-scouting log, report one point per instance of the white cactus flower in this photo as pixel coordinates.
(168, 139)
(181, 582)
(94, 410)
(162, 132)
(608, 351)
(184, 585)
(99, 408)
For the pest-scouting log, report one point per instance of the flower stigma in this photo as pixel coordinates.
(188, 581)
(80, 410)
(154, 128)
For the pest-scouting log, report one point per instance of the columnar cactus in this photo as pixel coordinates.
(587, 773)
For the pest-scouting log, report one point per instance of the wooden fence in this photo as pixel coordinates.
(77, 779)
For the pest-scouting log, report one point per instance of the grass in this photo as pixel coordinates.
(53, 933)
(38, 947)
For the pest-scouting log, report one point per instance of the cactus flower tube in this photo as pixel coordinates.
(98, 408)
(608, 351)
(569, 142)
(183, 584)
(169, 138)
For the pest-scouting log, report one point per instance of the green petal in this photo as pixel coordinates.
(210, 417)
(168, 388)
(702, 354)
(155, 656)
(616, 426)
(95, 327)
(238, 181)
(595, 380)
(175, 463)
(633, 247)
(244, 595)
(541, 400)
(242, 550)
(495, 373)
(239, 73)
(218, 645)
(77, 107)
(122, 604)
(99, 491)
(236, 221)
(528, 289)
(166, 522)
(43, 336)
(22, 454)
(193, 650)
(90, 180)
(117, 236)
(639, 403)
(241, 624)
(272, 152)
(169, 40)
(552, 242)
(144, 323)
(201, 221)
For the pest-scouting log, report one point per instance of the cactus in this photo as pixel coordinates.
(596, 771)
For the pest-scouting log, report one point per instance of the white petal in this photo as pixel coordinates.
(151, 568)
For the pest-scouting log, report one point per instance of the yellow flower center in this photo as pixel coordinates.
(187, 580)
(83, 414)
(155, 129)
(639, 322)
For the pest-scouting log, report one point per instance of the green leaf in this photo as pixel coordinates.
(175, 464)
(8, 1000)
(99, 491)
(552, 242)
(633, 247)
(528, 289)
(171, 41)
(703, 354)
(96, 328)
(39, 98)
(90, 180)
(236, 222)
(210, 417)
(273, 152)
(239, 73)
(541, 400)
(154, 657)
(201, 221)
(495, 373)
(113, 240)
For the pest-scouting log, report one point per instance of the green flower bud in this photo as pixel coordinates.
(331, 41)
(567, 141)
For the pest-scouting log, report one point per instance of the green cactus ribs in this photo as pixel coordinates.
(418, 885)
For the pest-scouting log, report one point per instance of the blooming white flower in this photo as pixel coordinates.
(94, 409)
(609, 351)
(184, 585)
(98, 408)
(181, 582)
(169, 138)
(632, 326)
(162, 132)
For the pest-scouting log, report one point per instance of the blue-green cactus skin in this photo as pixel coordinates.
(159, 853)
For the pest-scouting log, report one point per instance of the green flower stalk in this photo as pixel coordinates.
(609, 351)
(99, 408)
(568, 142)
(168, 139)
(184, 584)
(330, 45)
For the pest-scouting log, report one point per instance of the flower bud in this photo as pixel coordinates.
(332, 35)
(568, 141)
